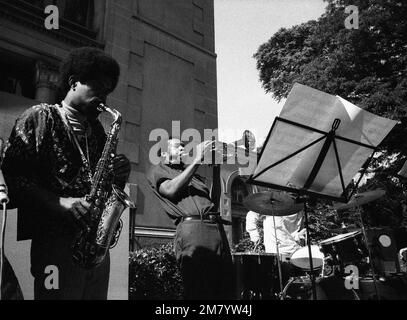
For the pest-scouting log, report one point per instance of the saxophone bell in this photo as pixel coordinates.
(123, 197)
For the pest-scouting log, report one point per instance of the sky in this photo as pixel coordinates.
(241, 26)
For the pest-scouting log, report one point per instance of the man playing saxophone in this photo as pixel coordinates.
(52, 155)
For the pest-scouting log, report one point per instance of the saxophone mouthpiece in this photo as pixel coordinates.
(101, 107)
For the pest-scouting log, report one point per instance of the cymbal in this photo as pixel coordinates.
(360, 199)
(345, 229)
(272, 203)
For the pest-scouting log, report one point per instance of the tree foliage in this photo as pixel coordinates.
(154, 274)
(367, 66)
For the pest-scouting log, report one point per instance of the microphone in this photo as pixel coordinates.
(3, 190)
(3, 187)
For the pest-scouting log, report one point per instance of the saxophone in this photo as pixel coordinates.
(107, 201)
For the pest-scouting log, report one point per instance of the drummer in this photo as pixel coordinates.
(290, 236)
(290, 232)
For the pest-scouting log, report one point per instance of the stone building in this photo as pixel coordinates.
(166, 51)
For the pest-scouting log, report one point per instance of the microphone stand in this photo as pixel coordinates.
(280, 276)
(3, 200)
(3, 232)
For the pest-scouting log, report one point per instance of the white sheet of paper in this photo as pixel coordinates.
(318, 110)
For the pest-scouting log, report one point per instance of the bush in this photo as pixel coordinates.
(154, 275)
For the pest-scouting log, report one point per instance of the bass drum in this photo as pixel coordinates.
(300, 288)
(331, 288)
(392, 287)
(256, 276)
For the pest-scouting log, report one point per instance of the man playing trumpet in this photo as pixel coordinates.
(201, 246)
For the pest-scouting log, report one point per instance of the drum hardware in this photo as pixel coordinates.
(255, 275)
(349, 248)
(331, 288)
(344, 248)
(370, 254)
(4, 199)
(360, 199)
(280, 275)
(357, 201)
(391, 288)
(383, 245)
(274, 204)
(329, 269)
(300, 258)
(300, 288)
(301, 291)
(308, 242)
(345, 229)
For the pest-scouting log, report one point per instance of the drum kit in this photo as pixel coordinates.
(331, 259)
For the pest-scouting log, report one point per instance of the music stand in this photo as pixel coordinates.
(321, 155)
(328, 142)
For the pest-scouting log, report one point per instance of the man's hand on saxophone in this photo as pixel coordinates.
(78, 208)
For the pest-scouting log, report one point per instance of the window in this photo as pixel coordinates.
(17, 74)
(239, 192)
(79, 11)
(76, 11)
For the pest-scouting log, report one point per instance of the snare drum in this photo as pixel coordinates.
(256, 275)
(300, 258)
(345, 248)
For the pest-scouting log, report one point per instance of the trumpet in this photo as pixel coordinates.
(229, 150)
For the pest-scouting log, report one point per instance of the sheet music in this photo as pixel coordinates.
(318, 110)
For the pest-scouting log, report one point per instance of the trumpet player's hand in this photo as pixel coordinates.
(121, 168)
(77, 207)
(203, 152)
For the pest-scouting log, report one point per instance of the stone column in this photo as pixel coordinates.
(46, 82)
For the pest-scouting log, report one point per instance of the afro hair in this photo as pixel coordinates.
(86, 64)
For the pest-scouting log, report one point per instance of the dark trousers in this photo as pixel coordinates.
(69, 282)
(204, 258)
(10, 288)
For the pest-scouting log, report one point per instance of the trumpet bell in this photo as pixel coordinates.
(229, 150)
(249, 140)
